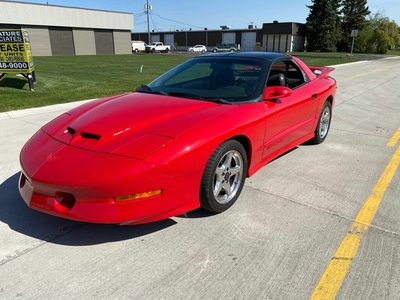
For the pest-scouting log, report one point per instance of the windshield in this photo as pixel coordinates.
(222, 79)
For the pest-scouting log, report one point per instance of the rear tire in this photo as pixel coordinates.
(323, 125)
(223, 177)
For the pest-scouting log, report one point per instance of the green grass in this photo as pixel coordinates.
(63, 79)
(394, 52)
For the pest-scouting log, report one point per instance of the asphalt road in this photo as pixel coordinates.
(335, 204)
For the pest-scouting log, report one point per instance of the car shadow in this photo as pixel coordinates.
(16, 83)
(197, 214)
(19, 217)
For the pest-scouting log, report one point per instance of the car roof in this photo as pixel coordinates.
(271, 56)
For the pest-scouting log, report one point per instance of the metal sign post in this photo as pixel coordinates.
(16, 55)
(354, 33)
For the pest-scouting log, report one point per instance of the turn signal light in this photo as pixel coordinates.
(138, 196)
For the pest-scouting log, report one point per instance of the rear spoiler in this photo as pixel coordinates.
(321, 72)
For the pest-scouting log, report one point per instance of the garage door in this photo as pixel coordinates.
(155, 38)
(229, 38)
(104, 41)
(169, 40)
(248, 41)
(61, 41)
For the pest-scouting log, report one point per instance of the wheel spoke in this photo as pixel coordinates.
(227, 188)
(227, 161)
(219, 173)
(236, 170)
(217, 188)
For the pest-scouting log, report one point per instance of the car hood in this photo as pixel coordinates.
(134, 125)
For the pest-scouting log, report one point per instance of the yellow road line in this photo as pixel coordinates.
(393, 141)
(332, 279)
(362, 74)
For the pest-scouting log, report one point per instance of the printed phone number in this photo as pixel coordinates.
(14, 65)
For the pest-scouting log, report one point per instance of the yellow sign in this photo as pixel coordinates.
(15, 51)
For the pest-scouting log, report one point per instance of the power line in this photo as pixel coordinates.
(176, 21)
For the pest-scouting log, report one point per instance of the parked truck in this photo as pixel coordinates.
(157, 47)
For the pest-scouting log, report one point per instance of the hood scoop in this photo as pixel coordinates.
(71, 131)
(84, 135)
(92, 136)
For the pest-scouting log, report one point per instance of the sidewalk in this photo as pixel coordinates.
(16, 127)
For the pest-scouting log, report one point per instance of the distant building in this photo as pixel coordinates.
(61, 30)
(277, 37)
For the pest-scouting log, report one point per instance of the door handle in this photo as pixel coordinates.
(314, 96)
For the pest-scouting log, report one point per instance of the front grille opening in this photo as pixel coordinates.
(22, 181)
(65, 200)
(91, 136)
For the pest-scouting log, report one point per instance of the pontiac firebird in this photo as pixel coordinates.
(187, 140)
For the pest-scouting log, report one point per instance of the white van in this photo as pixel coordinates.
(138, 46)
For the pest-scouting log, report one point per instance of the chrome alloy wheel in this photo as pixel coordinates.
(228, 176)
(324, 122)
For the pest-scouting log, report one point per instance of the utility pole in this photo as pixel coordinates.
(148, 8)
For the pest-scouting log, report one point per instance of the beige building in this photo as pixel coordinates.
(61, 30)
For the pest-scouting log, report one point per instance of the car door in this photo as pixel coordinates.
(291, 118)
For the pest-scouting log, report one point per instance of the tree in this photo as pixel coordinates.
(354, 14)
(323, 25)
(363, 42)
(385, 36)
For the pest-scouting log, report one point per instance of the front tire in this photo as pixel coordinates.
(324, 123)
(223, 177)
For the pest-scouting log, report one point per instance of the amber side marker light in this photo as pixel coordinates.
(138, 196)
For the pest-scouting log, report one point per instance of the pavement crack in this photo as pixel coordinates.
(335, 214)
(49, 238)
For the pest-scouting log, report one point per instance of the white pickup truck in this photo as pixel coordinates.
(157, 47)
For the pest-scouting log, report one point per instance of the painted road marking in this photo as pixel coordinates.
(395, 138)
(332, 279)
(362, 74)
(367, 73)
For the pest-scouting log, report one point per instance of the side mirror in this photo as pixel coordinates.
(275, 92)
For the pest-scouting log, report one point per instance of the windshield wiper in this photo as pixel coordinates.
(146, 89)
(186, 95)
(143, 89)
(198, 97)
(218, 100)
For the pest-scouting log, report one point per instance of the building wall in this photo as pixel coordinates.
(283, 43)
(61, 30)
(277, 37)
(52, 15)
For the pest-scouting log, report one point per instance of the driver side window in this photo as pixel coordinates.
(286, 73)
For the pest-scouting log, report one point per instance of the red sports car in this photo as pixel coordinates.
(187, 140)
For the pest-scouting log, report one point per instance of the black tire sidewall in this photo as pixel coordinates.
(207, 198)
